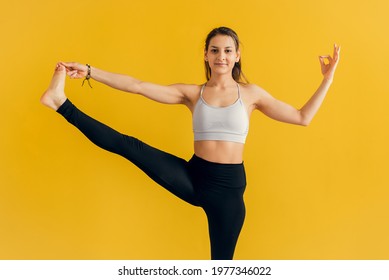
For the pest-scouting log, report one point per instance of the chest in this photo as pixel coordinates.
(231, 118)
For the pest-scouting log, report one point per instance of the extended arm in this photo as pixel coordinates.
(281, 111)
(172, 94)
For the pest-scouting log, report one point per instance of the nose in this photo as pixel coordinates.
(222, 56)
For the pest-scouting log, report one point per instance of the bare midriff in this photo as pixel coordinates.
(219, 151)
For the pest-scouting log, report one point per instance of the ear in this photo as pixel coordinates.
(205, 55)
(237, 56)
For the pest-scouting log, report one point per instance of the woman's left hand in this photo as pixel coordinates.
(328, 69)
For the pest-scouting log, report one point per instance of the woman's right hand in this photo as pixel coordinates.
(75, 70)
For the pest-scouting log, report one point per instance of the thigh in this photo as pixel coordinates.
(225, 213)
(169, 171)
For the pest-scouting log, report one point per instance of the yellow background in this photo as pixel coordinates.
(313, 193)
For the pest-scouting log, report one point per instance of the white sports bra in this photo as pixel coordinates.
(229, 123)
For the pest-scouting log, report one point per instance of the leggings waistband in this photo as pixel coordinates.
(200, 160)
(229, 175)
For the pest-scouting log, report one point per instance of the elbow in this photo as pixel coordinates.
(305, 123)
(304, 120)
(135, 88)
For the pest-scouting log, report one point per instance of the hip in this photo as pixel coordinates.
(212, 175)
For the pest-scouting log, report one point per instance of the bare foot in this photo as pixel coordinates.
(55, 96)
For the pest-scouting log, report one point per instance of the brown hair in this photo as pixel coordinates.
(237, 73)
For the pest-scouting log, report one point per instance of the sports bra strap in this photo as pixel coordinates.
(202, 89)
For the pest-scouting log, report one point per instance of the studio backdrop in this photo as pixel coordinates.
(316, 192)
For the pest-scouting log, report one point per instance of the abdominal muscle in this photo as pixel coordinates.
(219, 151)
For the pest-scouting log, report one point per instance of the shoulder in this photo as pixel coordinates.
(191, 92)
(253, 93)
(188, 90)
(252, 89)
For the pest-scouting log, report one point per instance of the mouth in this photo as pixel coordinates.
(220, 64)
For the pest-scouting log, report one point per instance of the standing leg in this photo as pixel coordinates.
(220, 189)
(225, 220)
(167, 170)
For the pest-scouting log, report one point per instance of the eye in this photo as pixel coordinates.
(228, 51)
(213, 50)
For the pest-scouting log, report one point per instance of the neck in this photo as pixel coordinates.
(221, 81)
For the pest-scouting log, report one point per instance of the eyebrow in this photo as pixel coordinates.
(218, 47)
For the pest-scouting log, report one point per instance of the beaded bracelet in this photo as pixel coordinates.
(88, 76)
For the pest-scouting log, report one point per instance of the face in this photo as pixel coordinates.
(222, 54)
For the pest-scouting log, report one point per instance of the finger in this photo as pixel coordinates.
(66, 64)
(322, 61)
(336, 51)
(336, 47)
(70, 65)
(325, 58)
(72, 73)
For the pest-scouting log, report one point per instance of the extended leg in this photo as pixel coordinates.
(167, 170)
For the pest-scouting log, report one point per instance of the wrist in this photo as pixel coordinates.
(88, 71)
(93, 72)
(88, 75)
(328, 80)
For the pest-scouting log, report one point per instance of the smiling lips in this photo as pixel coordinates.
(220, 64)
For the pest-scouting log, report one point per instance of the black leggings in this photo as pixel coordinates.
(217, 188)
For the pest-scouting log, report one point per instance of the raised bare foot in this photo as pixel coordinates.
(55, 96)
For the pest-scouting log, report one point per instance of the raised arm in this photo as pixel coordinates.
(172, 94)
(281, 111)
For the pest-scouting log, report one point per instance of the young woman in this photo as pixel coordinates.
(214, 178)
